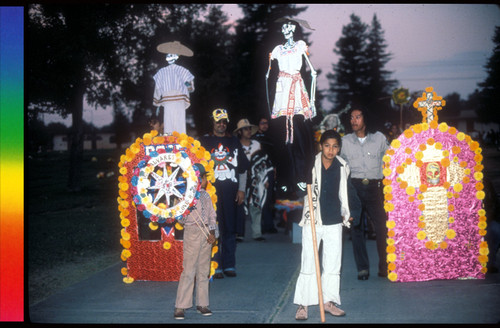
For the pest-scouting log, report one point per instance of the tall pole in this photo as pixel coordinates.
(316, 257)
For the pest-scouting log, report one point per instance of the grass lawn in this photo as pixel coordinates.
(70, 235)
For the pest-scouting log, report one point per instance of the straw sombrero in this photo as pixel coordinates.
(174, 47)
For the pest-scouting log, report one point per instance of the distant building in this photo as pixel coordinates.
(467, 122)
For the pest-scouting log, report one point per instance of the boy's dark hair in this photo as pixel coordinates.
(331, 134)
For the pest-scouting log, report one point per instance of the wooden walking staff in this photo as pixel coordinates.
(316, 257)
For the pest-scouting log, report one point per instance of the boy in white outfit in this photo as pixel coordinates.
(331, 196)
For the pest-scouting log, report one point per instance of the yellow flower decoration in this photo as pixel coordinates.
(451, 219)
(425, 126)
(421, 235)
(392, 276)
(391, 257)
(387, 171)
(123, 170)
(126, 253)
(388, 207)
(128, 280)
(461, 136)
(387, 189)
(443, 127)
(480, 195)
(167, 245)
(390, 241)
(478, 176)
(439, 145)
(410, 190)
(484, 251)
(450, 233)
(386, 159)
(481, 212)
(214, 251)
(390, 224)
(125, 223)
(395, 143)
(124, 186)
(179, 226)
(419, 155)
(458, 187)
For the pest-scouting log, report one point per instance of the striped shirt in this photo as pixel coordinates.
(170, 84)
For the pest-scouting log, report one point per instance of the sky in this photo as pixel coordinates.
(444, 46)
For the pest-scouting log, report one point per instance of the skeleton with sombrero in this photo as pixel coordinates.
(173, 84)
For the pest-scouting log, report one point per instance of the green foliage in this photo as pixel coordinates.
(490, 88)
(359, 74)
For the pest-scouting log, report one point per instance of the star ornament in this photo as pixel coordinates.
(166, 185)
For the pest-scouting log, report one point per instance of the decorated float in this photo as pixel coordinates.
(158, 186)
(433, 190)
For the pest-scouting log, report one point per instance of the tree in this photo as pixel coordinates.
(380, 85)
(107, 54)
(490, 88)
(350, 75)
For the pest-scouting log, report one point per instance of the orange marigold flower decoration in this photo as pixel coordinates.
(421, 207)
(391, 266)
(391, 233)
(388, 196)
(443, 245)
(445, 162)
(408, 133)
(452, 130)
(433, 125)
(430, 141)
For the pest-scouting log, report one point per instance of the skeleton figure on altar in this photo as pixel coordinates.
(292, 110)
(173, 84)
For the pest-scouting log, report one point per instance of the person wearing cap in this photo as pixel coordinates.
(258, 175)
(230, 172)
(173, 84)
(363, 150)
(197, 252)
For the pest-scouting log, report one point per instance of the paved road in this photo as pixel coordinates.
(263, 292)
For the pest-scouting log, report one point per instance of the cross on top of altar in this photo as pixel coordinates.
(429, 104)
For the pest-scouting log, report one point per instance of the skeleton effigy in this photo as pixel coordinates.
(292, 107)
(173, 84)
(433, 190)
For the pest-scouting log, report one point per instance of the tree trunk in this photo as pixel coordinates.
(76, 143)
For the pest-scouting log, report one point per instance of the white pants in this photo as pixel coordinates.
(256, 215)
(174, 113)
(306, 290)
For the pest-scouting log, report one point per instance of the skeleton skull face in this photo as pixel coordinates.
(287, 29)
(433, 173)
(171, 58)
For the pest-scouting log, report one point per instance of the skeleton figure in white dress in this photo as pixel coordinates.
(293, 103)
